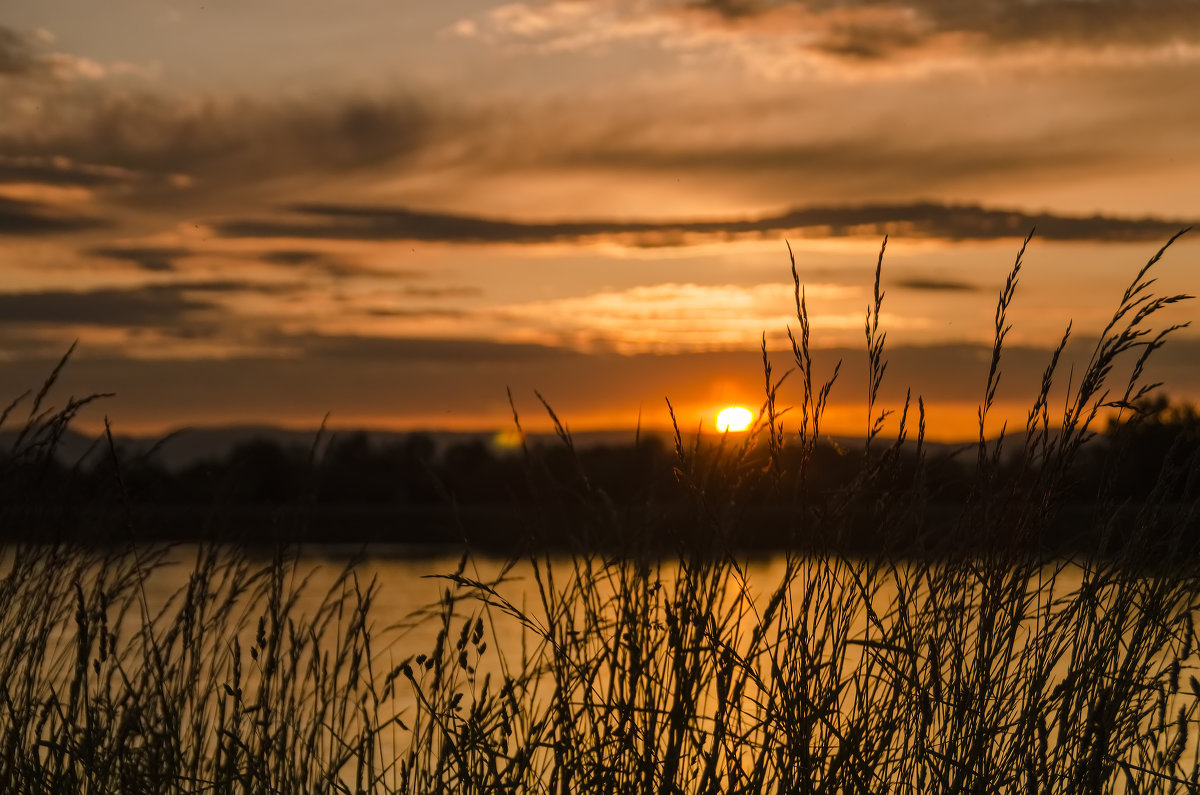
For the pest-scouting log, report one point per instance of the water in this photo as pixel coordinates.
(963, 641)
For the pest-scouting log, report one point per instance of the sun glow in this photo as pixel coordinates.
(734, 419)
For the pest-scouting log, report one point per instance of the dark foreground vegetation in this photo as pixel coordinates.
(355, 490)
(1020, 618)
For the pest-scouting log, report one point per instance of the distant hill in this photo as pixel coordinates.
(188, 445)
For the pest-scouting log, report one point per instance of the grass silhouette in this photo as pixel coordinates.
(994, 667)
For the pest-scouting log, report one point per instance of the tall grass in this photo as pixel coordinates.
(222, 688)
(995, 666)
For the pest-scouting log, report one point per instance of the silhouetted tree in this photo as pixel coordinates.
(1157, 446)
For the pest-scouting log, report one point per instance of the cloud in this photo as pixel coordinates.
(22, 217)
(929, 220)
(876, 37)
(361, 377)
(197, 151)
(293, 257)
(938, 285)
(424, 349)
(668, 317)
(884, 154)
(68, 120)
(437, 291)
(1084, 22)
(24, 57)
(155, 305)
(218, 140)
(62, 172)
(849, 38)
(334, 264)
(869, 29)
(167, 306)
(18, 58)
(416, 314)
(191, 319)
(153, 259)
(462, 383)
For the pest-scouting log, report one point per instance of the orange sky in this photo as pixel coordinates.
(392, 211)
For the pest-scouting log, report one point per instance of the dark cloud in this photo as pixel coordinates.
(349, 376)
(876, 29)
(868, 42)
(1094, 22)
(154, 259)
(230, 286)
(159, 142)
(141, 144)
(60, 171)
(334, 265)
(938, 285)
(420, 312)
(731, 9)
(156, 305)
(366, 379)
(21, 217)
(18, 57)
(407, 349)
(171, 307)
(893, 155)
(219, 141)
(916, 220)
(434, 291)
(293, 257)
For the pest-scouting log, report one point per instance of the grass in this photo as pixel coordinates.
(994, 667)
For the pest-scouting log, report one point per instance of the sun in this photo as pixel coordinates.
(734, 418)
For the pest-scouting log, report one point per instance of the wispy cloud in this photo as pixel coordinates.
(1094, 22)
(258, 314)
(329, 135)
(416, 313)
(22, 217)
(27, 57)
(152, 305)
(196, 151)
(333, 264)
(773, 35)
(168, 305)
(663, 318)
(407, 383)
(62, 171)
(938, 285)
(441, 291)
(20, 56)
(292, 256)
(930, 220)
(463, 351)
(153, 259)
(206, 141)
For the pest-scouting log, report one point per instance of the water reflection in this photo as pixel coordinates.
(827, 670)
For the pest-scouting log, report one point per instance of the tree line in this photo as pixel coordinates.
(471, 488)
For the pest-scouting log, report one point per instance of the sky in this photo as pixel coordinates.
(393, 213)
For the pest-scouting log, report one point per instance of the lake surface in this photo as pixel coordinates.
(410, 585)
(413, 588)
(864, 638)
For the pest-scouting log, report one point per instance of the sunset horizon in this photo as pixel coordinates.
(394, 216)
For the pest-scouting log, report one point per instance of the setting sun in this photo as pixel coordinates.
(734, 418)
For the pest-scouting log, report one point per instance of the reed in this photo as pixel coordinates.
(997, 667)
